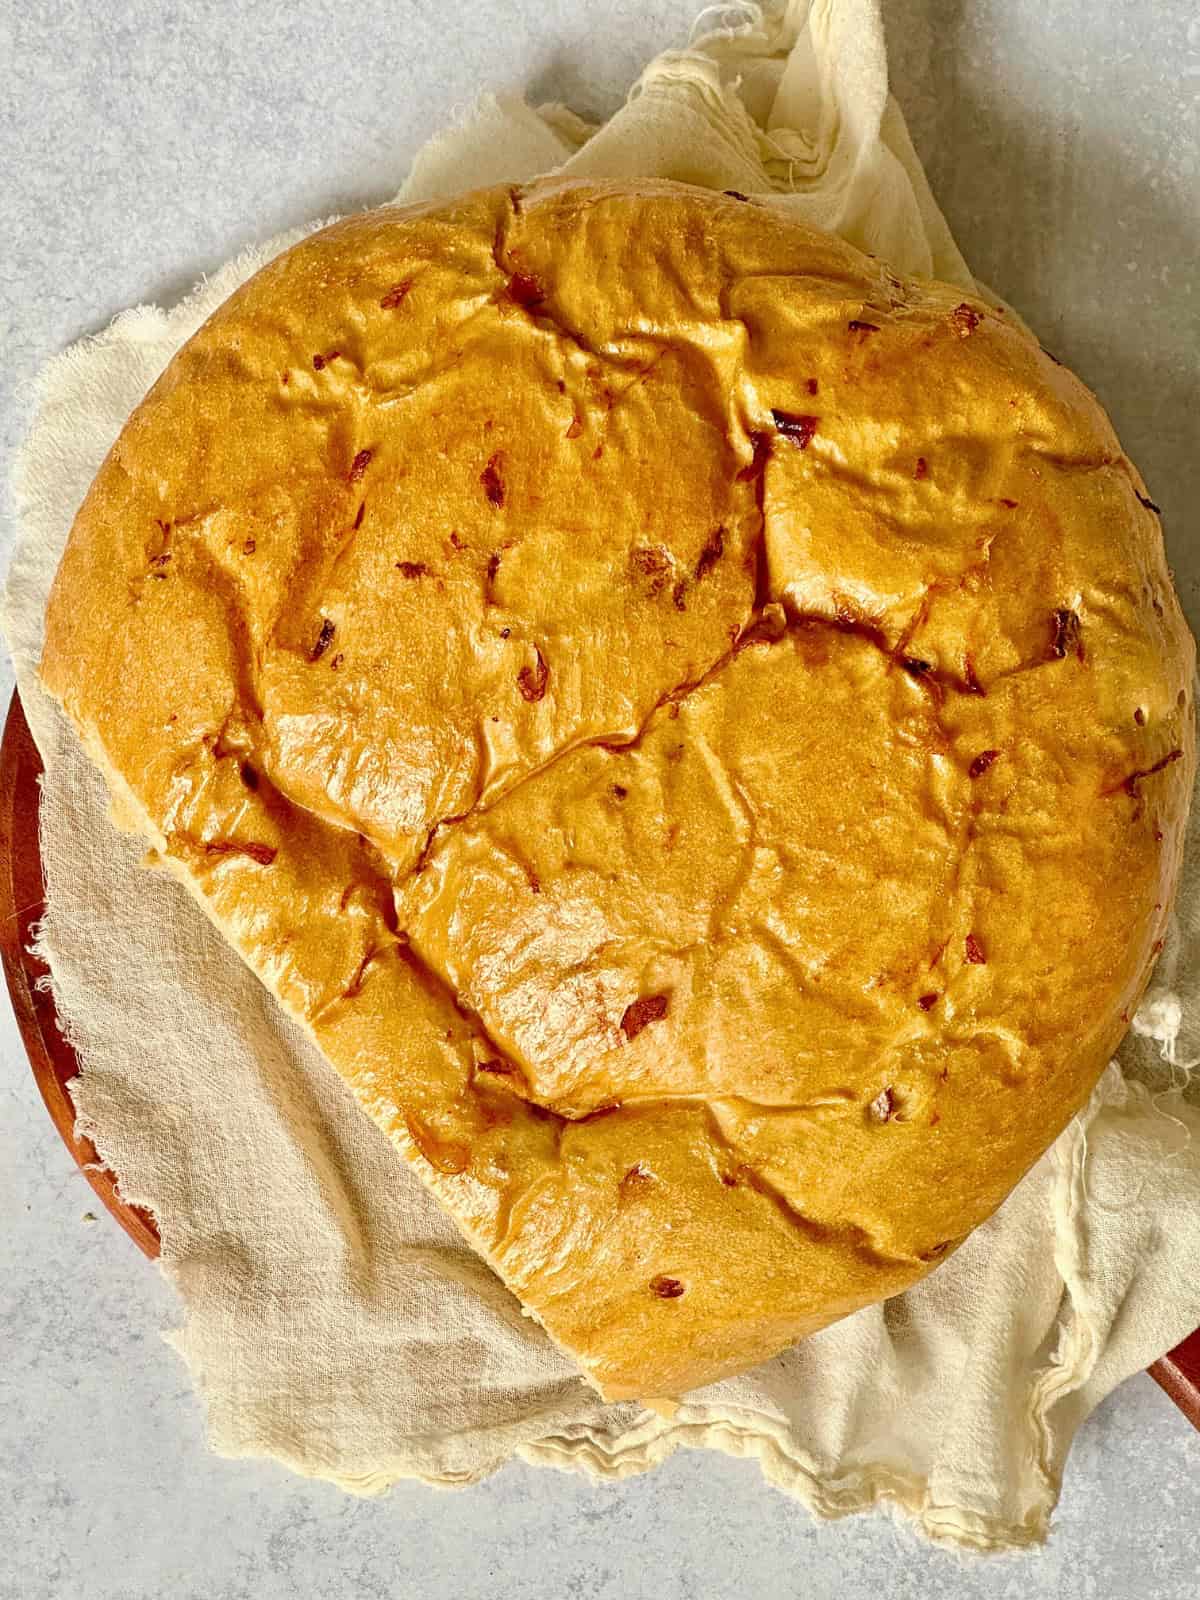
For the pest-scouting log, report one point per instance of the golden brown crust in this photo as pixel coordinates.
(698, 729)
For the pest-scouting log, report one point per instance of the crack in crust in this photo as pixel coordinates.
(769, 622)
(850, 1235)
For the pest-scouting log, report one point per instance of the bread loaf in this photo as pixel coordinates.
(696, 727)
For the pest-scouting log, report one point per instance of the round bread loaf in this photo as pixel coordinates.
(698, 729)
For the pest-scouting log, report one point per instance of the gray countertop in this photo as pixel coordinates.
(142, 144)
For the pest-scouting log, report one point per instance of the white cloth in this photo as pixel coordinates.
(333, 1318)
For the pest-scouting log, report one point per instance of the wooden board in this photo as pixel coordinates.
(22, 900)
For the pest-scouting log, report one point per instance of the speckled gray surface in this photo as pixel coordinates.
(142, 143)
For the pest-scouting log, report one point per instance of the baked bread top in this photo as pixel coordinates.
(697, 727)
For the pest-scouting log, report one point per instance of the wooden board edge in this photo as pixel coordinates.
(1179, 1374)
(22, 903)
